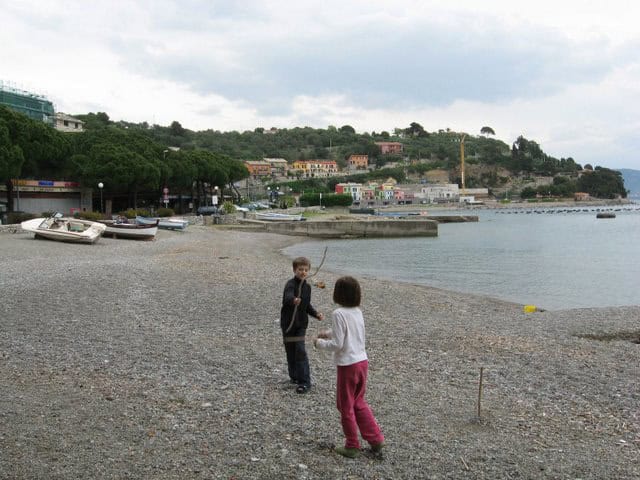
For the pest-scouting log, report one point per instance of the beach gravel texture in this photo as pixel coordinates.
(164, 360)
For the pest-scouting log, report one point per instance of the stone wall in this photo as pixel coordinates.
(356, 229)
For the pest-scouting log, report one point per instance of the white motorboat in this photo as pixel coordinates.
(64, 229)
(120, 229)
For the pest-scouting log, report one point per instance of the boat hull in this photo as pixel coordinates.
(65, 229)
(163, 223)
(130, 231)
(279, 217)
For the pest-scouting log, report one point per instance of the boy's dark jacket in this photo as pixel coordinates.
(304, 309)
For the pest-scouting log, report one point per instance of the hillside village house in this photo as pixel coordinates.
(390, 147)
(373, 191)
(279, 166)
(353, 189)
(66, 123)
(315, 168)
(358, 162)
(258, 168)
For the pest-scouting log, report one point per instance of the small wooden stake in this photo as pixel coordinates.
(480, 391)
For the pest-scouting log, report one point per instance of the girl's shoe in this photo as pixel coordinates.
(377, 448)
(347, 452)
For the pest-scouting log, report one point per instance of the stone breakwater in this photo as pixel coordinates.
(353, 228)
(164, 360)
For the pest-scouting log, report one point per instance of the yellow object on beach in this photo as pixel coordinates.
(529, 308)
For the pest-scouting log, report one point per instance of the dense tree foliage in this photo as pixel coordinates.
(133, 159)
(602, 183)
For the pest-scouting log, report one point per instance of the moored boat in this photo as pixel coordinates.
(164, 223)
(64, 229)
(278, 217)
(120, 229)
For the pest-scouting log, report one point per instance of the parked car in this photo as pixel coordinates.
(209, 210)
(240, 209)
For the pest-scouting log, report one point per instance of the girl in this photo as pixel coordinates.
(346, 340)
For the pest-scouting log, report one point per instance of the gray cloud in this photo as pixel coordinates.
(372, 66)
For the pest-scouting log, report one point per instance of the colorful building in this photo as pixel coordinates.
(279, 166)
(358, 162)
(390, 147)
(258, 168)
(353, 189)
(315, 168)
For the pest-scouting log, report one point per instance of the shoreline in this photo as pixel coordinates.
(164, 360)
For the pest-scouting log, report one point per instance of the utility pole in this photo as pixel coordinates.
(462, 161)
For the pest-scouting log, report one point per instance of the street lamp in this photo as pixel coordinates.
(215, 197)
(101, 186)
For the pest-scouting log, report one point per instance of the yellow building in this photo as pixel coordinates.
(315, 168)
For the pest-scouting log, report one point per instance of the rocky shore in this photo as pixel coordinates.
(163, 360)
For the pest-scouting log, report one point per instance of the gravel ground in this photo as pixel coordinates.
(164, 360)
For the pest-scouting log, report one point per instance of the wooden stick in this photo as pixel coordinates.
(480, 390)
(465, 464)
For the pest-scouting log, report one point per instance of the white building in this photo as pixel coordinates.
(67, 123)
(440, 192)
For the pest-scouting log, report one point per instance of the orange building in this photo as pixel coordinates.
(358, 162)
(258, 168)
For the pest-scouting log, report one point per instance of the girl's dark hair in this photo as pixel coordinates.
(347, 292)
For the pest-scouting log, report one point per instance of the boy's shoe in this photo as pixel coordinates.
(377, 448)
(303, 388)
(347, 452)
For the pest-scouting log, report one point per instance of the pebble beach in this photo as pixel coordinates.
(164, 360)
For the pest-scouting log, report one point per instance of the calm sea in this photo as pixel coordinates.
(553, 258)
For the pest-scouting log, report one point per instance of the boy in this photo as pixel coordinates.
(294, 318)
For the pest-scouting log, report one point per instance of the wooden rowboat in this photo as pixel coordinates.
(119, 229)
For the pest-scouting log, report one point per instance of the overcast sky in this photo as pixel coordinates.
(564, 73)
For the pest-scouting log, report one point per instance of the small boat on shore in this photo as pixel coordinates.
(279, 217)
(362, 210)
(123, 229)
(164, 223)
(64, 229)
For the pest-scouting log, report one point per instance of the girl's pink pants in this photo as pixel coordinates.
(355, 413)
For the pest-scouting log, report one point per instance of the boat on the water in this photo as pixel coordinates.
(64, 229)
(606, 215)
(170, 223)
(279, 217)
(123, 229)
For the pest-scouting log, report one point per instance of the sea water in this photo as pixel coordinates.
(553, 258)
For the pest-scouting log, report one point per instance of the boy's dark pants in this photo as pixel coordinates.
(297, 359)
